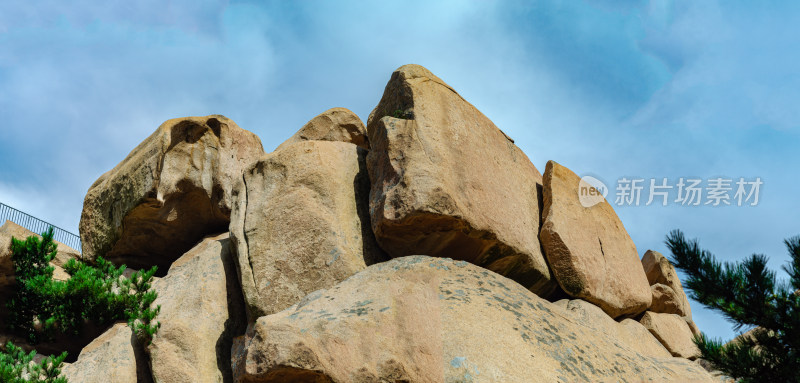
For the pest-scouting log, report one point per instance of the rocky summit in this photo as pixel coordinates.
(422, 246)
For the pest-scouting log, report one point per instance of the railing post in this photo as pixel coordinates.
(38, 226)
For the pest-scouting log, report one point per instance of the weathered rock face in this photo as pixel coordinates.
(423, 319)
(336, 124)
(201, 311)
(171, 191)
(113, 357)
(628, 333)
(669, 297)
(589, 250)
(447, 182)
(301, 223)
(673, 332)
(666, 300)
(692, 326)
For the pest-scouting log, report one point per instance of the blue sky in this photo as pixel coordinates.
(612, 89)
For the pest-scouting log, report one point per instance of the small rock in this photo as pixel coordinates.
(660, 271)
(337, 124)
(666, 300)
(673, 332)
(628, 332)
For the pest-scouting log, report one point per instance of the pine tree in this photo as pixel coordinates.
(749, 295)
(42, 307)
(16, 366)
(35, 293)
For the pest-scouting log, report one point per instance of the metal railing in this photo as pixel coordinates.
(36, 225)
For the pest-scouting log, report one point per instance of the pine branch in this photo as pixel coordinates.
(16, 366)
(42, 307)
(747, 294)
(793, 269)
(740, 292)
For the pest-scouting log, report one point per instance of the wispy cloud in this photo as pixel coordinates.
(613, 88)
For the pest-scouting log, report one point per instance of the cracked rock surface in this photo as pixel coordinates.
(446, 182)
(424, 319)
(301, 223)
(588, 248)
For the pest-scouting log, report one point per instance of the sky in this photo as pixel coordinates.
(614, 89)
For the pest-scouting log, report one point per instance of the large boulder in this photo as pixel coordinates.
(447, 182)
(336, 124)
(201, 311)
(301, 223)
(424, 319)
(588, 248)
(668, 294)
(171, 191)
(673, 332)
(114, 357)
(628, 332)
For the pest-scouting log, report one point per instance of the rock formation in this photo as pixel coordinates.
(201, 310)
(408, 251)
(336, 124)
(666, 300)
(588, 248)
(301, 223)
(628, 332)
(171, 191)
(673, 332)
(668, 295)
(114, 357)
(447, 182)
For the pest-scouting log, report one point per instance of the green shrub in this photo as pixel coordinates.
(18, 367)
(42, 308)
(401, 114)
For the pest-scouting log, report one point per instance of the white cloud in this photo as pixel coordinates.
(669, 89)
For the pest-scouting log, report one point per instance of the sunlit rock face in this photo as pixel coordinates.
(447, 182)
(171, 191)
(424, 319)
